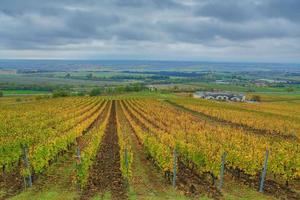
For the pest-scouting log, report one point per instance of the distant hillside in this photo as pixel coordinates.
(139, 65)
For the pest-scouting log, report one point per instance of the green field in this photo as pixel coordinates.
(24, 92)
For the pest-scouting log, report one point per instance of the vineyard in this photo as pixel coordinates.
(278, 119)
(149, 148)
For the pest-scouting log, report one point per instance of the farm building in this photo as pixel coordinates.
(220, 96)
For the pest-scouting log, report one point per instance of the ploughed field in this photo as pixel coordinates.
(148, 148)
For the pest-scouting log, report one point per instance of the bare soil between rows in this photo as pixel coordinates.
(270, 187)
(11, 183)
(105, 174)
(255, 131)
(146, 179)
(188, 181)
(195, 185)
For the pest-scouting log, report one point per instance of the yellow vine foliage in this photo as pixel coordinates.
(202, 142)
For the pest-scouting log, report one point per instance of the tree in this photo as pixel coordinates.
(61, 93)
(175, 88)
(290, 89)
(81, 93)
(1, 93)
(89, 76)
(250, 90)
(255, 98)
(96, 92)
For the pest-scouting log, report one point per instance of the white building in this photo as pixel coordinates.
(220, 96)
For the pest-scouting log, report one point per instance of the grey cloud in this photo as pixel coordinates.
(143, 3)
(205, 31)
(246, 10)
(288, 9)
(33, 24)
(229, 10)
(89, 23)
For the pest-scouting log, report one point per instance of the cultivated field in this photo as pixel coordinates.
(141, 147)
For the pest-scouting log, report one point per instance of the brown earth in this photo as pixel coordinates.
(105, 173)
(270, 187)
(12, 184)
(147, 181)
(187, 180)
(195, 185)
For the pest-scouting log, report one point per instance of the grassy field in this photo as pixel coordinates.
(228, 87)
(23, 92)
(20, 79)
(277, 96)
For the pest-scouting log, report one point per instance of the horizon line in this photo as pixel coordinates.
(151, 60)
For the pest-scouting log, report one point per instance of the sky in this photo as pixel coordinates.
(203, 30)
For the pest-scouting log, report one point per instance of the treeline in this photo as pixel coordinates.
(97, 91)
(170, 73)
(117, 77)
(33, 87)
(68, 90)
(135, 87)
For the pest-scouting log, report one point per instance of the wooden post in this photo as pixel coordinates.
(28, 179)
(264, 172)
(78, 163)
(222, 170)
(174, 168)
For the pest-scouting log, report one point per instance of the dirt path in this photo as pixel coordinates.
(58, 177)
(194, 185)
(147, 182)
(105, 174)
(271, 187)
(55, 183)
(10, 184)
(188, 181)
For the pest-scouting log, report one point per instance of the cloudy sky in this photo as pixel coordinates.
(209, 30)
